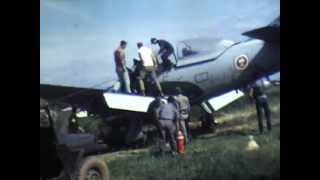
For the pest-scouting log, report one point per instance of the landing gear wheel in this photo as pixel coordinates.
(92, 168)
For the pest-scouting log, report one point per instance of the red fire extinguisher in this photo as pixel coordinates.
(181, 143)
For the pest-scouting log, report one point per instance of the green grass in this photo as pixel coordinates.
(216, 158)
(219, 156)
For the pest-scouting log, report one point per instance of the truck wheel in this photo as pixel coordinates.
(92, 168)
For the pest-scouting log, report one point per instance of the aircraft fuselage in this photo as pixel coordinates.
(240, 64)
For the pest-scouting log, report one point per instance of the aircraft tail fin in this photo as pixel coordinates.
(270, 33)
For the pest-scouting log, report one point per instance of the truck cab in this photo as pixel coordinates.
(65, 155)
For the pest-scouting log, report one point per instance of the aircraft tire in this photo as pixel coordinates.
(92, 168)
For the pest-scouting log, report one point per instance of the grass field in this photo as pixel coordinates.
(219, 156)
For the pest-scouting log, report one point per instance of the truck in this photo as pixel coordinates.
(65, 155)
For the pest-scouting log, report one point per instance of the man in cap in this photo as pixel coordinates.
(154, 111)
(149, 66)
(261, 102)
(168, 121)
(184, 110)
(155, 108)
(166, 49)
(121, 68)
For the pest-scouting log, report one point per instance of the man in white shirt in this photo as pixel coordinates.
(149, 63)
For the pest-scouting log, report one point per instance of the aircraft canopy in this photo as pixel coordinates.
(195, 50)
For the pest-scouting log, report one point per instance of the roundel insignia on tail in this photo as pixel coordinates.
(241, 62)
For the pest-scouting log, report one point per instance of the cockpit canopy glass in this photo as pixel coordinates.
(200, 46)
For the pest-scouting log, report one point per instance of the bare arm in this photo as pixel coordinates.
(177, 120)
(161, 50)
(140, 57)
(156, 114)
(123, 60)
(155, 61)
(189, 106)
(251, 92)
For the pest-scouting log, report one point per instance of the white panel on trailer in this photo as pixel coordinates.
(128, 102)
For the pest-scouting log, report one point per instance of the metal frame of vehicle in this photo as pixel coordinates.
(67, 155)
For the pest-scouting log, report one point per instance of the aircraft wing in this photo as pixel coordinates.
(95, 101)
(270, 33)
(67, 93)
(89, 99)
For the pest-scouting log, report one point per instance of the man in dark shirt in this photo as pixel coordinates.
(166, 49)
(261, 101)
(168, 121)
